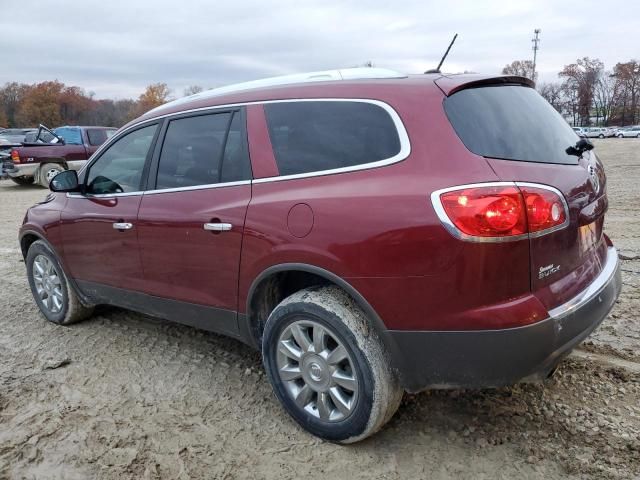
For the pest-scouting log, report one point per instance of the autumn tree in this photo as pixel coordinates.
(155, 95)
(579, 84)
(40, 105)
(627, 77)
(522, 68)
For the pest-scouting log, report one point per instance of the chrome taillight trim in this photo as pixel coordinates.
(457, 233)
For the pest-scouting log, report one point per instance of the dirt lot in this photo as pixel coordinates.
(125, 396)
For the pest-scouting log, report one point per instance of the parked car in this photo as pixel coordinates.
(599, 132)
(581, 131)
(628, 132)
(369, 235)
(16, 135)
(53, 151)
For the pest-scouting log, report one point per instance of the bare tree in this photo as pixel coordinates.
(522, 68)
(552, 93)
(605, 95)
(581, 77)
(192, 90)
(628, 77)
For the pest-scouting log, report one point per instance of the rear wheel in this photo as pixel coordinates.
(53, 293)
(327, 367)
(601, 136)
(620, 135)
(48, 171)
(22, 180)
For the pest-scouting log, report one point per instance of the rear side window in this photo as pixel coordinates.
(71, 136)
(203, 150)
(97, 136)
(324, 135)
(512, 123)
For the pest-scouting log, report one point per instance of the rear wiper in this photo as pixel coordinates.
(583, 145)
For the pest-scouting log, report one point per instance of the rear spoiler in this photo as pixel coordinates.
(451, 84)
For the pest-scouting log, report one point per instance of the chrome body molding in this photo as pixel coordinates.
(453, 230)
(594, 288)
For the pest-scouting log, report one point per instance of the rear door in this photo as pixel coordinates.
(524, 139)
(190, 223)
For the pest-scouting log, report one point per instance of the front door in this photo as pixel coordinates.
(99, 233)
(191, 221)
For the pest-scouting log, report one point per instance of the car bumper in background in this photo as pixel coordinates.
(25, 170)
(491, 358)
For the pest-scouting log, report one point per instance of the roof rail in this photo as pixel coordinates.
(359, 73)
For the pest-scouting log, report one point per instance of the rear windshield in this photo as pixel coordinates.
(512, 123)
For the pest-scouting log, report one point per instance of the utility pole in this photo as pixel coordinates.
(535, 40)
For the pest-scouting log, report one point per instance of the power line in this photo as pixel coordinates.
(535, 40)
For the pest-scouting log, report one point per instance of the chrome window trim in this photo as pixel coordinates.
(403, 136)
(197, 187)
(595, 288)
(89, 196)
(453, 230)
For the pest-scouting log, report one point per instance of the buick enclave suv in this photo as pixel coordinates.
(370, 232)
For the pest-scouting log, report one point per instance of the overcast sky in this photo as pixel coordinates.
(115, 48)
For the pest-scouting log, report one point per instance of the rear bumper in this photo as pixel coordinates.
(491, 358)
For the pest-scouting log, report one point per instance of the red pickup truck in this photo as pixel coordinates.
(52, 151)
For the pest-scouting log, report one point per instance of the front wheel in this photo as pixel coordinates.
(327, 367)
(48, 171)
(620, 136)
(54, 295)
(600, 136)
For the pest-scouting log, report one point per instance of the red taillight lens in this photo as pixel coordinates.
(502, 210)
(486, 211)
(545, 208)
(15, 158)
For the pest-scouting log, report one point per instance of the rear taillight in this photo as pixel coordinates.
(15, 157)
(500, 211)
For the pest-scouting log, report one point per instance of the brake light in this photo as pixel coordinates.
(15, 157)
(500, 211)
(545, 208)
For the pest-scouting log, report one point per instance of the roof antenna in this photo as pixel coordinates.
(437, 70)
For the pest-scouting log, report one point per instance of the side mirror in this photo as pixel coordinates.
(66, 181)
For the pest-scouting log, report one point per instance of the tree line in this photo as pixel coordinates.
(53, 103)
(588, 93)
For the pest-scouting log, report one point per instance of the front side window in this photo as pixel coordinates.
(203, 150)
(119, 168)
(312, 136)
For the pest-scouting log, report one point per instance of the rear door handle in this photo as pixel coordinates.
(217, 227)
(122, 226)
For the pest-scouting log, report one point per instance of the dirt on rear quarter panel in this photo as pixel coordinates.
(142, 398)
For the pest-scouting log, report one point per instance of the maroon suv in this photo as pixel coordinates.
(368, 235)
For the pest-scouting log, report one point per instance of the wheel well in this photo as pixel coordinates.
(25, 243)
(270, 291)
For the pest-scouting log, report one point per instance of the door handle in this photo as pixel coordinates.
(217, 227)
(122, 226)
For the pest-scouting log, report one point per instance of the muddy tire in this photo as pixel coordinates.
(328, 367)
(47, 172)
(53, 293)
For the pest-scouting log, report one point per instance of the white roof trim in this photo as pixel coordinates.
(321, 76)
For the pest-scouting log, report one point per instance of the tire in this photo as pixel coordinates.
(349, 351)
(69, 309)
(600, 136)
(47, 172)
(22, 180)
(638, 136)
(620, 136)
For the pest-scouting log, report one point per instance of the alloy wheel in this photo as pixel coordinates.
(317, 371)
(48, 284)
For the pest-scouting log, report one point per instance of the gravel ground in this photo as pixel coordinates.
(126, 396)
